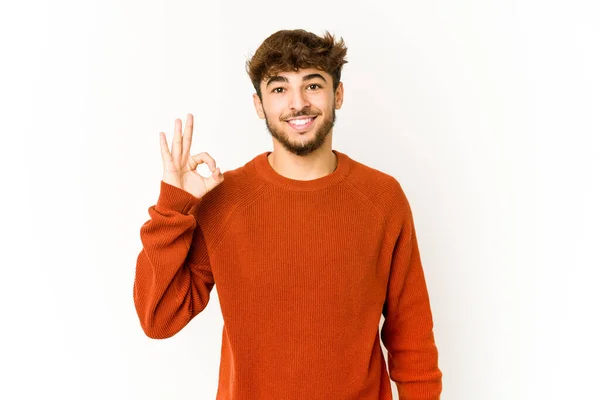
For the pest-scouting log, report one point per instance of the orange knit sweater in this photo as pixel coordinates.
(304, 270)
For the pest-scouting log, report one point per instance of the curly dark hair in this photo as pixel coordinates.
(290, 50)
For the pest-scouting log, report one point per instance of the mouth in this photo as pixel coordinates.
(301, 124)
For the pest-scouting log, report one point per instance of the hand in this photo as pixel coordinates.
(180, 167)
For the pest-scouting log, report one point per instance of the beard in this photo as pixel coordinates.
(304, 147)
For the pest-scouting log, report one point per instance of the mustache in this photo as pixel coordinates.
(301, 114)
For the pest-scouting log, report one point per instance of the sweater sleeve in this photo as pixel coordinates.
(173, 278)
(407, 331)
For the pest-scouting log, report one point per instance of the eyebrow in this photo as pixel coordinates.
(279, 78)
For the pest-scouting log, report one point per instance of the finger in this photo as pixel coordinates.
(214, 179)
(200, 158)
(176, 146)
(187, 137)
(164, 150)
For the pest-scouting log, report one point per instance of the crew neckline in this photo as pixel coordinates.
(264, 168)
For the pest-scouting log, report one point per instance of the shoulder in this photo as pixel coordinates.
(380, 188)
(238, 188)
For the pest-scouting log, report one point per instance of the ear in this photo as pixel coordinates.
(339, 96)
(258, 106)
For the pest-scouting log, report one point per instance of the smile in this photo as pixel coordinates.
(301, 124)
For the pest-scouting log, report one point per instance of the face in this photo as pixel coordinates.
(299, 108)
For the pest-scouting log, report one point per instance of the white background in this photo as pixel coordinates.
(485, 111)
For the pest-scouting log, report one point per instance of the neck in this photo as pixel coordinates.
(317, 164)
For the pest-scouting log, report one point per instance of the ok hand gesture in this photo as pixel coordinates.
(180, 167)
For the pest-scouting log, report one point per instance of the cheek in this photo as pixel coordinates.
(324, 103)
(272, 117)
(274, 114)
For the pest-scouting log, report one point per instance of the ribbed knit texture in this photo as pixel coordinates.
(304, 270)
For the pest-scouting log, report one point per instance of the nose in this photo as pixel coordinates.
(298, 100)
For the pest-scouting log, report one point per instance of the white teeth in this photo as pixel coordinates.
(300, 121)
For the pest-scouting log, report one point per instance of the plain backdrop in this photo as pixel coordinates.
(485, 111)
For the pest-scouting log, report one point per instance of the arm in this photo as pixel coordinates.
(173, 278)
(407, 332)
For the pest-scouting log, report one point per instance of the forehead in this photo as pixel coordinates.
(298, 75)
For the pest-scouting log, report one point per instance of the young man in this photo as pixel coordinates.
(308, 248)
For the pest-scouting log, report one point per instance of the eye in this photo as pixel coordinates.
(314, 86)
(277, 90)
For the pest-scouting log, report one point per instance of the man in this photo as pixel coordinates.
(307, 246)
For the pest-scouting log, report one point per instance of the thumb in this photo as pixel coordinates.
(215, 179)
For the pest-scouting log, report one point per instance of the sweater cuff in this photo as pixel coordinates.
(175, 199)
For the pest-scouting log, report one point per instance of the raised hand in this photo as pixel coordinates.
(180, 167)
